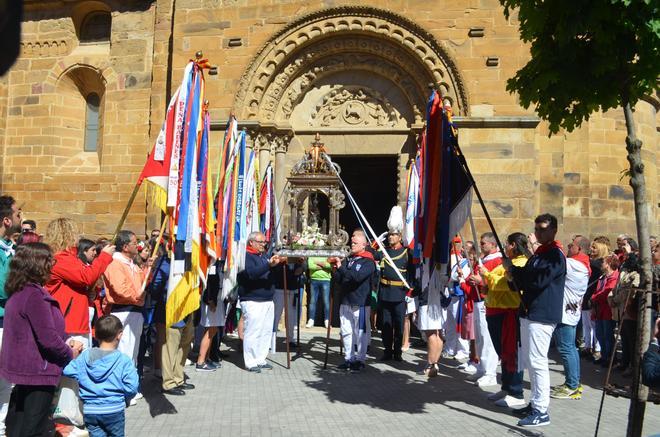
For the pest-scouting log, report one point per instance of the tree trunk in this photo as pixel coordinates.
(639, 391)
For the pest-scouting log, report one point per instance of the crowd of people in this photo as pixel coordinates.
(95, 312)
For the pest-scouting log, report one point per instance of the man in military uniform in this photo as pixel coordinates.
(392, 296)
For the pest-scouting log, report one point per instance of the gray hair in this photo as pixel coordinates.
(583, 243)
(254, 235)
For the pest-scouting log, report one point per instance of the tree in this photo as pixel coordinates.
(586, 56)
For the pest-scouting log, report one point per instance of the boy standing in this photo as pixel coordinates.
(107, 379)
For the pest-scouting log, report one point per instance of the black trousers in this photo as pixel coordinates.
(628, 343)
(29, 411)
(392, 315)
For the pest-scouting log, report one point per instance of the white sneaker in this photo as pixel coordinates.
(310, 323)
(468, 367)
(487, 381)
(189, 363)
(497, 395)
(138, 396)
(132, 402)
(325, 323)
(461, 356)
(510, 402)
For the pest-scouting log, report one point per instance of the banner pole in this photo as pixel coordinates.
(463, 163)
(126, 210)
(154, 252)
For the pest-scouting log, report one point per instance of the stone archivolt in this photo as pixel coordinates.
(297, 53)
(354, 106)
(319, 61)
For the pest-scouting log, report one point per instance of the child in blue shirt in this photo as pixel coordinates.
(107, 379)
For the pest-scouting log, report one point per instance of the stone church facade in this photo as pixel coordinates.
(81, 107)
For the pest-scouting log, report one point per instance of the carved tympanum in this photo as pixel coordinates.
(354, 106)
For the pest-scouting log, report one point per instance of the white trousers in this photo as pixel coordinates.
(454, 344)
(278, 302)
(485, 350)
(257, 331)
(130, 339)
(355, 330)
(533, 355)
(589, 331)
(5, 394)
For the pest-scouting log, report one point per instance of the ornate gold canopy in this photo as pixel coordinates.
(314, 175)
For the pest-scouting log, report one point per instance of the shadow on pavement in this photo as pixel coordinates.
(157, 401)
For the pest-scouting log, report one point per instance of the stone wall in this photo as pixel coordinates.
(44, 164)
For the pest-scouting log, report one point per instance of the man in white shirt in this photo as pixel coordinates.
(577, 280)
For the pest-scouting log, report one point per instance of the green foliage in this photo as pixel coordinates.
(586, 55)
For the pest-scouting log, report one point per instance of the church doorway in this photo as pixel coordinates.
(372, 180)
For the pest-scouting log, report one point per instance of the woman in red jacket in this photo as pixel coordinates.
(71, 279)
(601, 309)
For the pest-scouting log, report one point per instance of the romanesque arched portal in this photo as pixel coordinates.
(357, 75)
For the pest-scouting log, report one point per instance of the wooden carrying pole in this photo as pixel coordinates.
(286, 320)
(327, 333)
(298, 311)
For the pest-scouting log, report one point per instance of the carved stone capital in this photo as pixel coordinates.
(281, 143)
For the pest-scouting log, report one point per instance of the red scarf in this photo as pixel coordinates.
(365, 254)
(252, 250)
(584, 259)
(547, 247)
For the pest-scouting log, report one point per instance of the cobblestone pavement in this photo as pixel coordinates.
(385, 399)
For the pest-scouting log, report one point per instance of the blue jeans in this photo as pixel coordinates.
(565, 339)
(102, 425)
(316, 287)
(605, 336)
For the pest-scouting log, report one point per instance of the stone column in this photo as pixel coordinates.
(280, 147)
(262, 147)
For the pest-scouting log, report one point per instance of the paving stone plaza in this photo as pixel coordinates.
(385, 399)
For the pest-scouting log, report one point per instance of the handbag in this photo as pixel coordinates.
(68, 406)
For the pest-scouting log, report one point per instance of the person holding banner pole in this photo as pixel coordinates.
(392, 295)
(430, 314)
(542, 279)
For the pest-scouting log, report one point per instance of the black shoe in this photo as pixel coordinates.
(187, 386)
(523, 412)
(397, 357)
(255, 369)
(176, 391)
(346, 365)
(386, 357)
(356, 366)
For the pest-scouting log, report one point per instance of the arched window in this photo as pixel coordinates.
(92, 122)
(96, 27)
